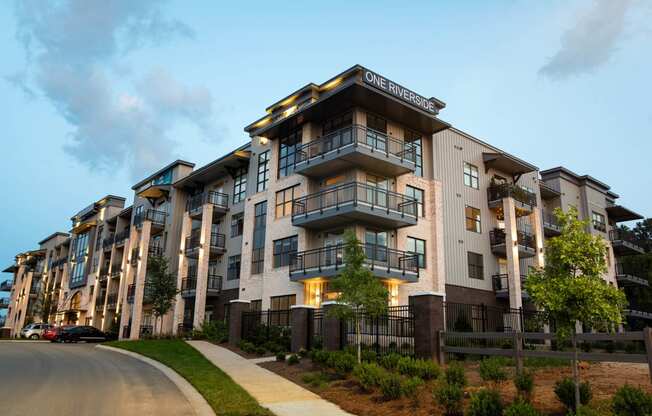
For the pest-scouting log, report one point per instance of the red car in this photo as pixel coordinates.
(54, 333)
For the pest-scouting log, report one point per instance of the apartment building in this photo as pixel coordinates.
(436, 210)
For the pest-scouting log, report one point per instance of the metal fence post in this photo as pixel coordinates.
(518, 351)
(647, 337)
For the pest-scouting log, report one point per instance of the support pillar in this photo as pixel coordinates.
(429, 321)
(511, 247)
(139, 280)
(236, 308)
(301, 314)
(125, 277)
(180, 303)
(202, 264)
(332, 328)
(537, 228)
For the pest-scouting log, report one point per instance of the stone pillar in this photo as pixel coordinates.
(429, 320)
(236, 309)
(180, 304)
(537, 228)
(139, 280)
(332, 328)
(126, 276)
(202, 264)
(300, 326)
(511, 247)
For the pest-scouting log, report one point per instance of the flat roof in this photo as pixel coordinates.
(160, 171)
(53, 235)
(579, 178)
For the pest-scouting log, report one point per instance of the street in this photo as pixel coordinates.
(79, 379)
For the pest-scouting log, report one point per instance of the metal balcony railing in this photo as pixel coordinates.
(155, 250)
(497, 237)
(217, 241)
(112, 300)
(213, 283)
(356, 135)
(155, 216)
(497, 192)
(218, 199)
(355, 193)
(500, 282)
(5, 286)
(550, 221)
(618, 234)
(108, 241)
(121, 236)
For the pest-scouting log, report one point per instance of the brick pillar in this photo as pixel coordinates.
(139, 280)
(511, 247)
(332, 328)
(236, 308)
(128, 274)
(428, 311)
(180, 303)
(300, 326)
(202, 264)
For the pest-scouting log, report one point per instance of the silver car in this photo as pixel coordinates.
(34, 331)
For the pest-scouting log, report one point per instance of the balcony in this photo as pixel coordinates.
(4, 303)
(524, 200)
(220, 203)
(354, 202)
(526, 243)
(135, 256)
(628, 275)
(35, 289)
(551, 227)
(355, 146)
(131, 292)
(5, 286)
(217, 244)
(189, 285)
(155, 250)
(384, 262)
(157, 218)
(500, 284)
(624, 243)
(116, 273)
(121, 237)
(112, 301)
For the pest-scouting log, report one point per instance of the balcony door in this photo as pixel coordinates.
(334, 248)
(376, 243)
(377, 191)
(376, 132)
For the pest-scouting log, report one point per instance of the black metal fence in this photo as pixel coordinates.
(315, 329)
(390, 332)
(273, 326)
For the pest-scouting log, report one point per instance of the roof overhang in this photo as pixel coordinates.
(10, 269)
(83, 227)
(547, 192)
(507, 163)
(215, 170)
(155, 191)
(619, 213)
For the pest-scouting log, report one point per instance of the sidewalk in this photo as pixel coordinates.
(278, 394)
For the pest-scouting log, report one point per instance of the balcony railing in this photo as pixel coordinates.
(624, 242)
(498, 237)
(5, 286)
(218, 199)
(115, 272)
(551, 223)
(131, 292)
(630, 274)
(121, 236)
(600, 226)
(134, 256)
(155, 216)
(213, 284)
(108, 241)
(500, 282)
(192, 241)
(4, 302)
(155, 250)
(217, 241)
(377, 258)
(497, 192)
(358, 136)
(355, 193)
(111, 300)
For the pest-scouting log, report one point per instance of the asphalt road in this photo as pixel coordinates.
(79, 379)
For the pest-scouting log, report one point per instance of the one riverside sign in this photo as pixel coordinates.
(397, 91)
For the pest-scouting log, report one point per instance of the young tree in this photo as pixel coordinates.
(161, 287)
(570, 288)
(358, 289)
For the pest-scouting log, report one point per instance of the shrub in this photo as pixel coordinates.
(454, 374)
(369, 356)
(303, 353)
(293, 359)
(424, 369)
(631, 401)
(520, 408)
(320, 357)
(524, 384)
(342, 362)
(492, 370)
(369, 375)
(449, 396)
(390, 361)
(390, 386)
(215, 331)
(280, 357)
(247, 346)
(565, 391)
(486, 403)
(410, 387)
(316, 379)
(260, 350)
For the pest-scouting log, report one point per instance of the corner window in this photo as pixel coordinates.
(239, 185)
(284, 249)
(476, 265)
(263, 171)
(287, 152)
(473, 222)
(417, 246)
(417, 194)
(284, 201)
(414, 138)
(599, 222)
(471, 176)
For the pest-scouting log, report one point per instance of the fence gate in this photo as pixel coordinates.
(391, 332)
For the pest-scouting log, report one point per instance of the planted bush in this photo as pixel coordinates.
(342, 362)
(520, 408)
(280, 357)
(215, 331)
(486, 403)
(410, 387)
(449, 397)
(424, 369)
(316, 379)
(390, 361)
(631, 401)
(390, 386)
(369, 356)
(565, 391)
(369, 375)
(454, 374)
(492, 370)
(293, 359)
(524, 384)
(303, 353)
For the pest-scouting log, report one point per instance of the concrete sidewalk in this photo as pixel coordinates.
(272, 391)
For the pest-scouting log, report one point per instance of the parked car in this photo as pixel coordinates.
(34, 331)
(52, 334)
(81, 333)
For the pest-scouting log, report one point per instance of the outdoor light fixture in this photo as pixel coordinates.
(263, 140)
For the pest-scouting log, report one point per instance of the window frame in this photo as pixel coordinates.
(291, 300)
(237, 224)
(477, 221)
(262, 178)
(474, 267)
(286, 204)
(599, 221)
(421, 209)
(232, 261)
(283, 249)
(258, 241)
(472, 174)
(421, 256)
(287, 151)
(416, 140)
(240, 184)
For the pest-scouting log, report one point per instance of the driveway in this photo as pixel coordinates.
(79, 379)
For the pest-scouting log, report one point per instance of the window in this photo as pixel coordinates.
(237, 222)
(414, 139)
(599, 222)
(263, 171)
(98, 238)
(471, 176)
(282, 303)
(473, 222)
(376, 245)
(233, 270)
(284, 201)
(287, 152)
(258, 250)
(417, 246)
(337, 123)
(417, 194)
(476, 266)
(284, 249)
(376, 123)
(239, 185)
(376, 129)
(256, 305)
(79, 254)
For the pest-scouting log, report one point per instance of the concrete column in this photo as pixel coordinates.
(202, 264)
(332, 328)
(180, 303)
(300, 326)
(511, 247)
(127, 272)
(236, 309)
(139, 280)
(438, 234)
(428, 312)
(537, 228)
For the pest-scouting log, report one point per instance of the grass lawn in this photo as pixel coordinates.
(222, 394)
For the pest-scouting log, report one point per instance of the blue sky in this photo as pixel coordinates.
(95, 95)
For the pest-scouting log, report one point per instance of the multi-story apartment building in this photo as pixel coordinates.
(435, 209)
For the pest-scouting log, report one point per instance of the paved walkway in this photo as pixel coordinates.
(278, 394)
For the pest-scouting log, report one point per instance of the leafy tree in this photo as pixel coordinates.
(570, 288)
(359, 292)
(161, 287)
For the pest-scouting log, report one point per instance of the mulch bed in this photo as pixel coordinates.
(242, 353)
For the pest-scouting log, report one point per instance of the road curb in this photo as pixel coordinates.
(199, 405)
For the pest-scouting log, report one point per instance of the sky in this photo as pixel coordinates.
(96, 94)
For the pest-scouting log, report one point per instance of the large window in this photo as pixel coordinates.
(471, 176)
(256, 305)
(79, 254)
(282, 303)
(239, 185)
(473, 222)
(263, 171)
(476, 265)
(233, 270)
(336, 123)
(258, 249)
(237, 222)
(284, 201)
(414, 139)
(417, 246)
(284, 249)
(599, 222)
(287, 152)
(417, 194)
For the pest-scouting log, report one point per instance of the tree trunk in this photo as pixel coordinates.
(576, 374)
(357, 339)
